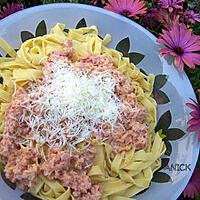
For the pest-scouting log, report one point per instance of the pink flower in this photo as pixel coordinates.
(192, 17)
(171, 5)
(10, 8)
(193, 187)
(194, 122)
(128, 8)
(182, 44)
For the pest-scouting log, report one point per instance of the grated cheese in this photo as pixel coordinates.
(71, 105)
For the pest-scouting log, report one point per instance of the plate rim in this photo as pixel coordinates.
(25, 11)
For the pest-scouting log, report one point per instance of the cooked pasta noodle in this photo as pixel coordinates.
(127, 173)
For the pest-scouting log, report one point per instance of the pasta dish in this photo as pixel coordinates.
(77, 119)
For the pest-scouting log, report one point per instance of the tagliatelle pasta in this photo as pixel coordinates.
(121, 175)
(128, 174)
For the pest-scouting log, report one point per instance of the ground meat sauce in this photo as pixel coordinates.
(12, 124)
(70, 167)
(131, 130)
(22, 167)
(7, 148)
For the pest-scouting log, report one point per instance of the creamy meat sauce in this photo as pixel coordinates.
(70, 167)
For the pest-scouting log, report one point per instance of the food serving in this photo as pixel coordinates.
(77, 118)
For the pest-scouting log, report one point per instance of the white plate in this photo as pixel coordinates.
(178, 87)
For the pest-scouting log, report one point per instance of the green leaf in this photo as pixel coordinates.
(82, 23)
(168, 147)
(198, 197)
(26, 35)
(1, 166)
(161, 177)
(3, 1)
(174, 134)
(160, 97)
(196, 26)
(164, 163)
(76, 1)
(8, 182)
(160, 81)
(164, 122)
(41, 29)
(142, 70)
(123, 46)
(136, 57)
(29, 196)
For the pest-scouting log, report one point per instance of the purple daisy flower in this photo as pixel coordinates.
(182, 44)
(171, 5)
(10, 8)
(192, 17)
(194, 122)
(193, 187)
(128, 8)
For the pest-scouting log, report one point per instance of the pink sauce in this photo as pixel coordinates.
(70, 168)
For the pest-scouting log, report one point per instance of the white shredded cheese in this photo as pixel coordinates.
(71, 105)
